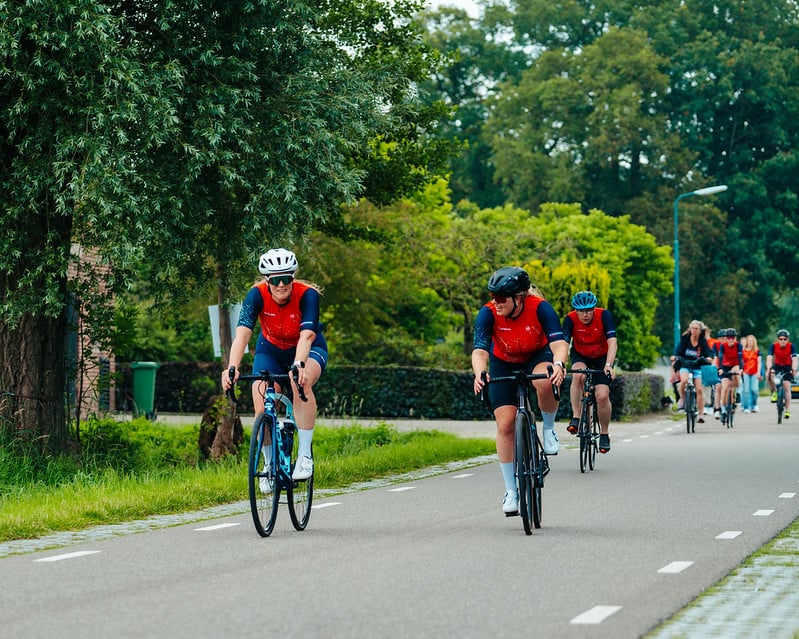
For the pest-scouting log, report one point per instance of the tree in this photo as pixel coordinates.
(177, 139)
(79, 113)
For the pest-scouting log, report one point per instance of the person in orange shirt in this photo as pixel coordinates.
(753, 363)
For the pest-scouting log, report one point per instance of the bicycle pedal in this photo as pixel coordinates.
(516, 514)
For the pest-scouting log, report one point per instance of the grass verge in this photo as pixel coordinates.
(146, 469)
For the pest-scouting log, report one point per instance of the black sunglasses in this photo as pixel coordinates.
(277, 280)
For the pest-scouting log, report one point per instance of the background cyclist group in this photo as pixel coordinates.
(732, 363)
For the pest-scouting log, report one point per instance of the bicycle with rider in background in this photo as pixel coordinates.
(730, 363)
(693, 351)
(782, 359)
(591, 331)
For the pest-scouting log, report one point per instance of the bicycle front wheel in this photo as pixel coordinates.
(780, 403)
(524, 468)
(594, 441)
(690, 409)
(264, 488)
(300, 494)
(585, 436)
(731, 408)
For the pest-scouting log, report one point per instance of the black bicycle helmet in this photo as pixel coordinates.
(783, 333)
(730, 332)
(509, 280)
(584, 300)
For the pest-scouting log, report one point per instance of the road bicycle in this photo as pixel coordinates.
(689, 396)
(529, 458)
(588, 428)
(273, 454)
(778, 383)
(728, 402)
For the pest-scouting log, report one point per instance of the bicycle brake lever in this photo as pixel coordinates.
(555, 389)
(231, 392)
(295, 373)
(484, 379)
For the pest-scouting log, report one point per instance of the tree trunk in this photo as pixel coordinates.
(32, 379)
(221, 412)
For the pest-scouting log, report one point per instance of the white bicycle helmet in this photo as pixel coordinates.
(277, 260)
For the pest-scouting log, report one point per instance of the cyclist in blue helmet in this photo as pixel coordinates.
(517, 329)
(592, 333)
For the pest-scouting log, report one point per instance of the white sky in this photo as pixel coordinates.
(469, 5)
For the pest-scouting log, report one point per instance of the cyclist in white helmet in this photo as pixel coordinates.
(288, 311)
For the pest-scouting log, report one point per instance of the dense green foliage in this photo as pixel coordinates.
(621, 106)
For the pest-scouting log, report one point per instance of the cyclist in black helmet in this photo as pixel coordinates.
(782, 359)
(517, 329)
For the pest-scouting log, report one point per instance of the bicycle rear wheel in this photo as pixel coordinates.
(263, 502)
(539, 469)
(300, 493)
(524, 467)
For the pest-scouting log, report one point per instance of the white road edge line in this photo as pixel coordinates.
(675, 567)
(69, 555)
(401, 489)
(595, 615)
(463, 476)
(765, 512)
(729, 534)
(327, 504)
(216, 527)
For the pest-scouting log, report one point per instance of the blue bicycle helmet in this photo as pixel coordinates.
(509, 281)
(584, 300)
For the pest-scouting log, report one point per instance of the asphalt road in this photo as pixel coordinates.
(664, 516)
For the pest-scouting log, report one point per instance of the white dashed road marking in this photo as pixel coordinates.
(216, 527)
(463, 476)
(69, 555)
(401, 489)
(762, 513)
(327, 504)
(729, 534)
(595, 615)
(675, 567)
(787, 495)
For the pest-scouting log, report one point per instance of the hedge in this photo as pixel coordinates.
(376, 392)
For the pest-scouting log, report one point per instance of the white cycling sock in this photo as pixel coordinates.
(509, 476)
(306, 437)
(549, 419)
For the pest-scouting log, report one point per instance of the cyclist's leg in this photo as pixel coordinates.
(576, 394)
(547, 403)
(684, 372)
(700, 397)
(503, 402)
(786, 384)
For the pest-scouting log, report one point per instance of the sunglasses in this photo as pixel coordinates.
(782, 339)
(277, 280)
(499, 299)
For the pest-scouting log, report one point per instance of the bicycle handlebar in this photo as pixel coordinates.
(264, 376)
(520, 376)
(689, 361)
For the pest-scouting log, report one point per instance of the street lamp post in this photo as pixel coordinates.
(710, 190)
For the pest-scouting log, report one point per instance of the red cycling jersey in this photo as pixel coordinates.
(589, 340)
(515, 339)
(783, 355)
(280, 325)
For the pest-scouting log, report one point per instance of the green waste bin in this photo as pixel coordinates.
(144, 388)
